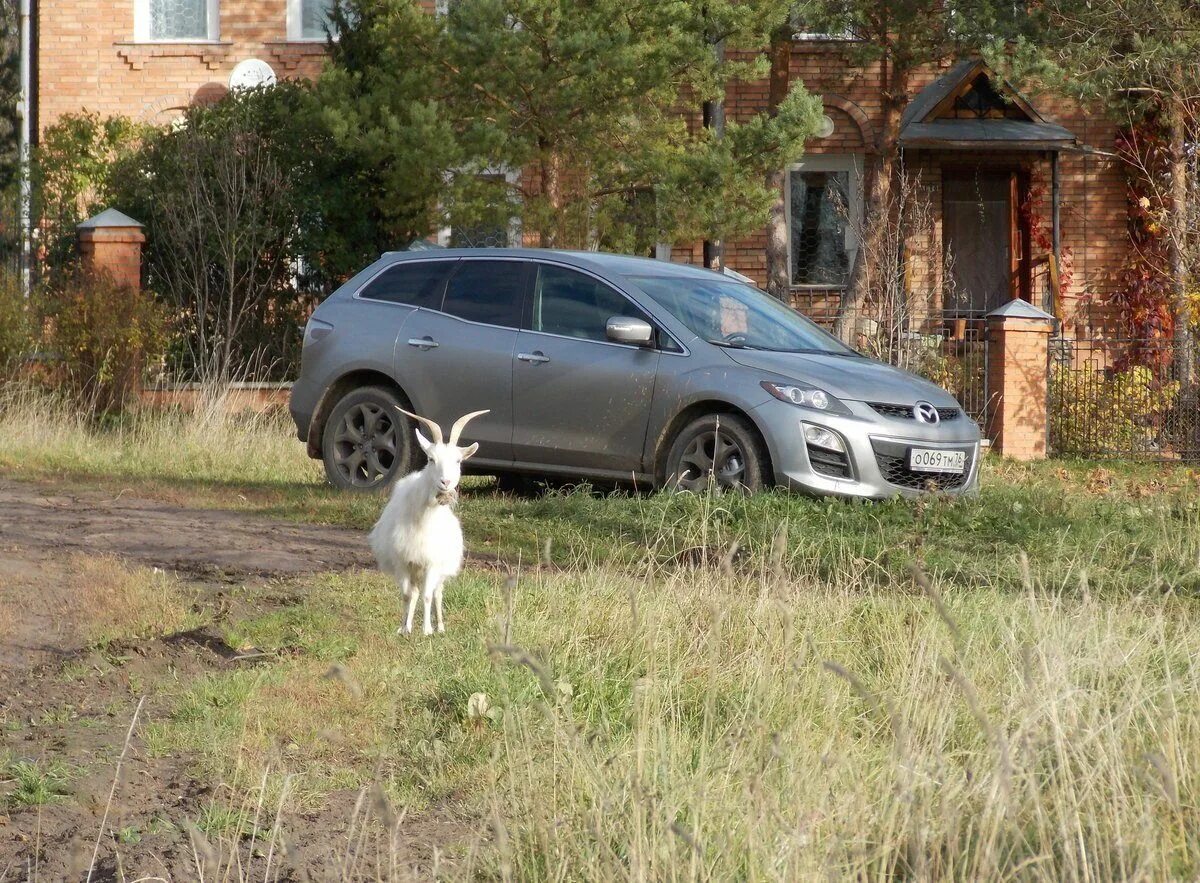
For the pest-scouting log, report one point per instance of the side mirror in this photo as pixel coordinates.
(633, 331)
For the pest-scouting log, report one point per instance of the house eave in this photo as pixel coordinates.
(1057, 145)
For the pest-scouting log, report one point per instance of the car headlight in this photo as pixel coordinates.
(805, 396)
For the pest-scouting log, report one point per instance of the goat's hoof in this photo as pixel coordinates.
(441, 630)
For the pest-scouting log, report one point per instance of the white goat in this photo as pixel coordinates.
(418, 539)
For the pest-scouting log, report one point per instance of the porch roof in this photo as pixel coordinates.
(934, 120)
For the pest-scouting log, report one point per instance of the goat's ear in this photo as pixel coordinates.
(426, 444)
(469, 450)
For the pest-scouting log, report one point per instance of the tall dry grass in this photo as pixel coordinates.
(721, 730)
(706, 726)
(45, 431)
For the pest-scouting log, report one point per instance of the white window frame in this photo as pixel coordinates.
(829, 162)
(141, 24)
(295, 23)
(512, 177)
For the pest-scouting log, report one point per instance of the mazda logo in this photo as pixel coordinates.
(926, 413)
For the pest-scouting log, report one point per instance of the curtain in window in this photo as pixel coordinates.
(819, 208)
(179, 19)
(314, 18)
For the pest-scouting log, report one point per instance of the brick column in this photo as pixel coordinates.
(111, 243)
(1018, 356)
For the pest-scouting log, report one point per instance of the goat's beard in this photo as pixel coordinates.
(447, 498)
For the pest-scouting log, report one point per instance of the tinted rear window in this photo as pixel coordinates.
(487, 291)
(420, 284)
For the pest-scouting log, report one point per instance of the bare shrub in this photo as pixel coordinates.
(104, 335)
(224, 221)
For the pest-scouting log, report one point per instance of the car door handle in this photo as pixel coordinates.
(536, 357)
(425, 343)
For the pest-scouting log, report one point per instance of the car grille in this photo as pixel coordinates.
(892, 458)
(905, 412)
(831, 463)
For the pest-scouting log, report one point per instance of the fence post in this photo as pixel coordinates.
(1018, 362)
(111, 242)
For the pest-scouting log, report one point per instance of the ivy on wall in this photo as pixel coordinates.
(1143, 290)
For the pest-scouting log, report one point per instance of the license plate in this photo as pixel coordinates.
(925, 460)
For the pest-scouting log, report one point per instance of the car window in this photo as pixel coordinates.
(576, 305)
(487, 291)
(419, 283)
(738, 316)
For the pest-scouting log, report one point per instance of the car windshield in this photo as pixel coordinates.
(738, 316)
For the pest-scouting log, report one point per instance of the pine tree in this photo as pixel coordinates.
(380, 100)
(570, 117)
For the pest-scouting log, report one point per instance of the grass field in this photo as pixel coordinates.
(675, 687)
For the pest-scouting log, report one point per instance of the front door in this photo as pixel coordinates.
(579, 400)
(981, 240)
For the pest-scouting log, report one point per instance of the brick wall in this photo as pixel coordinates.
(88, 60)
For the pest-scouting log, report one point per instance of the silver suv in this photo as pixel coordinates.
(612, 368)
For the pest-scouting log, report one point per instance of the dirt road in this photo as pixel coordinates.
(44, 518)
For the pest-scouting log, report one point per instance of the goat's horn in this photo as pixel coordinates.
(461, 422)
(434, 429)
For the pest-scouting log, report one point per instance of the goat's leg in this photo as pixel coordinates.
(437, 597)
(409, 591)
(431, 583)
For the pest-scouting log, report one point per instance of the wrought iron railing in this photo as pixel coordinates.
(1124, 398)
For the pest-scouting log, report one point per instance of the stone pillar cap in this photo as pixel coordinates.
(1019, 309)
(110, 217)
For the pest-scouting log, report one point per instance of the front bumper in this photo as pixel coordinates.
(876, 452)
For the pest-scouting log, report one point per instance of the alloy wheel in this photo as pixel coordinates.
(712, 458)
(364, 448)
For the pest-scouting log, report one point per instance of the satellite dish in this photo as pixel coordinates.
(826, 127)
(251, 74)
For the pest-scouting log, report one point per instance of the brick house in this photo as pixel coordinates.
(148, 59)
(990, 164)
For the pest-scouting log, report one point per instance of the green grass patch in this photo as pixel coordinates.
(1128, 528)
(37, 783)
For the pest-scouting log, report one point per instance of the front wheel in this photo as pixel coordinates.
(366, 443)
(720, 451)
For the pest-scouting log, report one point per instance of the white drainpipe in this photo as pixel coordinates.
(24, 106)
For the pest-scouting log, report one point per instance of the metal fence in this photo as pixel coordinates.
(948, 348)
(1124, 398)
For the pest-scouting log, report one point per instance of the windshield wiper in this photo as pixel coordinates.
(730, 345)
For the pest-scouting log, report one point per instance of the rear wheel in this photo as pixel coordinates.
(367, 443)
(721, 451)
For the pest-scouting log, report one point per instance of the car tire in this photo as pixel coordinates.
(367, 443)
(719, 451)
